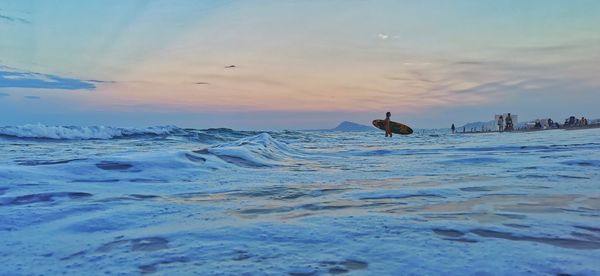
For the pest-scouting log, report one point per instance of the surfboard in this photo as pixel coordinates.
(397, 128)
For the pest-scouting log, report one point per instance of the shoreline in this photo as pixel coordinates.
(533, 130)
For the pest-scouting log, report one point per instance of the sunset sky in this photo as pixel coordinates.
(298, 64)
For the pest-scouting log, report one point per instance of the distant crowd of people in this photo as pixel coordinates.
(573, 122)
(549, 124)
(506, 124)
(569, 122)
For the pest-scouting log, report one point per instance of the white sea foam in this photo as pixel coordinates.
(258, 150)
(80, 132)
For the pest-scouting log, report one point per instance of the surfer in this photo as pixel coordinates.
(391, 127)
(386, 123)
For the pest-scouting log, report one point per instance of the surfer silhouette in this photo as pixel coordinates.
(386, 123)
(391, 127)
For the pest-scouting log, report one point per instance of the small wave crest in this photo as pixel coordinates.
(81, 132)
(260, 150)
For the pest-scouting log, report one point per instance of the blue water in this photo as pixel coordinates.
(172, 201)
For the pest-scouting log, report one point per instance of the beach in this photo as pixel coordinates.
(173, 201)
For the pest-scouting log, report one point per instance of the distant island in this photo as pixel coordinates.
(351, 126)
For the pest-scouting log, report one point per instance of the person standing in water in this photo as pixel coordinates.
(509, 123)
(386, 123)
(453, 128)
(500, 123)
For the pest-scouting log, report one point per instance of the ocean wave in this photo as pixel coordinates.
(81, 132)
(260, 150)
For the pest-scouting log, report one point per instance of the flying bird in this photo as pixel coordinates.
(230, 66)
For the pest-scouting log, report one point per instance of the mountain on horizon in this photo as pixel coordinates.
(477, 126)
(351, 126)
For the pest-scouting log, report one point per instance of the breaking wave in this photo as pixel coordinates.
(81, 132)
(260, 150)
(254, 152)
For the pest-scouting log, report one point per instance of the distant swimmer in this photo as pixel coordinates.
(386, 123)
(230, 66)
(453, 128)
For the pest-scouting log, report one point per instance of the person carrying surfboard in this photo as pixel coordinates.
(391, 127)
(386, 123)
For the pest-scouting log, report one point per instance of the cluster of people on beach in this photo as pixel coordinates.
(574, 122)
(569, 123)
(505, 124)
(549, 123)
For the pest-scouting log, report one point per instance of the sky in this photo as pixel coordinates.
(296, 64)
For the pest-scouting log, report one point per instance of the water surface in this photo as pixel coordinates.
(182, 201)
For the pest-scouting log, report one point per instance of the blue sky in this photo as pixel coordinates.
(298, 64)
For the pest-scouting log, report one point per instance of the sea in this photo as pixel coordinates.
(176, 201)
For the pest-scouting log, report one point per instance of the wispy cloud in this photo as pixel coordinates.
(32, 97)
(250, 78)
(550, 48)
(383, 36)
(517, 87)
(101, 81)
(14, 19)
(13, 78)
(488, 88)
(469, 62)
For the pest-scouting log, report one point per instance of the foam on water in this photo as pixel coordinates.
(259, 150)
(78, 132)
(184, 201)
